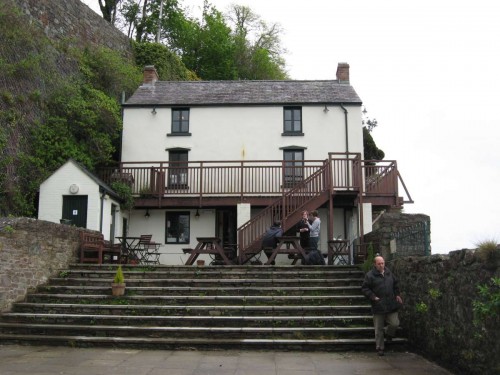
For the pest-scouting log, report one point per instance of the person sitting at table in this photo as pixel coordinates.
(270, 239)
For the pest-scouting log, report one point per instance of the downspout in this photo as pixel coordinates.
(346, 129)
(103, 193)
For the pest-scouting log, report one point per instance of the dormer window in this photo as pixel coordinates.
(292, 124)
(180, 121)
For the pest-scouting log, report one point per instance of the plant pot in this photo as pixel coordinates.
(200, 263)
(118, 289)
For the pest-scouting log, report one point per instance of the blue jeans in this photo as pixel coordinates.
(313, 243)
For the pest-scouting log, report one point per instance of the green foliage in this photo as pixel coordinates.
(421, 307)
(107, 71)
(64, 274)
(124, 191)
(119, 278)
(82, 123)
(434, 293)
(370, 149)
(8, 229)
(370, 258)
(488, 304)
(168, 65)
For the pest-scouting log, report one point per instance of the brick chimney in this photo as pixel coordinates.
(150, 75)
(343, 72)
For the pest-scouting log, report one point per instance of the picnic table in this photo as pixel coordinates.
(288, 245)
(208, 245)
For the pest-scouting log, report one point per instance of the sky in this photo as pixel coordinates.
(429, 72)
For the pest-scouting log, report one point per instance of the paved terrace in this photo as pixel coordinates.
(44, 360)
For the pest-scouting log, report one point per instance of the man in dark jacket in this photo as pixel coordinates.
(270, 239)
(381, 288)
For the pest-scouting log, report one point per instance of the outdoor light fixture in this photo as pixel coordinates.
(146, 215)
(154, 111)
(325, 109)
(197, 214)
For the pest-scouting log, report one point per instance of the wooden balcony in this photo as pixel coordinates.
(209, 183)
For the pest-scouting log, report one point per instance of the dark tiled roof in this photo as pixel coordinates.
(192, 93)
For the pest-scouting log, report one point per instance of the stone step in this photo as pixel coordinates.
(240, 282)
(192, 320)
(186, 307)
(190, 274)
(185, 310)
(200, 344)
(220, 300)
(217, 270)
(312, 333)
(222, 290)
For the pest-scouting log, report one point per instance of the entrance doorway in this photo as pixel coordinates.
(75, 209)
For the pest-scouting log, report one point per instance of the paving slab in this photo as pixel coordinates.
(42, 360)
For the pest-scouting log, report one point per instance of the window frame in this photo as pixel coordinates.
(292, 122)
(177, 125)
(178, 168)
(173, 217)
(293, 171)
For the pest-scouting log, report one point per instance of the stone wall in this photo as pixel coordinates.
(389, 223)
(31, 251)
(439, 293)
(73, 22)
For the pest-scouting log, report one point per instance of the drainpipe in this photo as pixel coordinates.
(103, 193)
(346, 128)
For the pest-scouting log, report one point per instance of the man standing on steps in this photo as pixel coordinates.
(381, 288)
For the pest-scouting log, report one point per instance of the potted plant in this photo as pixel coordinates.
(118, 284)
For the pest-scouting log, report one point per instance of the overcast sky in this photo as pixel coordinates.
(429, 72)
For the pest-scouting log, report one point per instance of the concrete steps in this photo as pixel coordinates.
(216, 307)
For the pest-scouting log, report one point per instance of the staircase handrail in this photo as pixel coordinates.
(282, 208)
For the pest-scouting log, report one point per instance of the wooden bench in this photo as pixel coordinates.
(112, 252)
(91, 247)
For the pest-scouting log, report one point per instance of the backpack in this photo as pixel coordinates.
(314, 258)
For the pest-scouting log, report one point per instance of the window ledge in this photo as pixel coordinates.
(178, 134)
(297, 134)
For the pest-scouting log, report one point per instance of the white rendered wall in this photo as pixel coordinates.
(239, 133)
(172, 254)
(56, 186)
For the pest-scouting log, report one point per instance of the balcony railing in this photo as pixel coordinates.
(253, 178)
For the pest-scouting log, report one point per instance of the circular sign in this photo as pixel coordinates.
(73, 188)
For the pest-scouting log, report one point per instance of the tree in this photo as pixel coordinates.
(258, 51)
(370, 149)
(108, 9)
(210, 47)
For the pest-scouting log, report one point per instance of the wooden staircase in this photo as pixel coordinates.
(307, 194)
(185, 307)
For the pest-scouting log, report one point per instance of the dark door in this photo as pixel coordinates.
(226, 230)
(226, 226)
(75, 209)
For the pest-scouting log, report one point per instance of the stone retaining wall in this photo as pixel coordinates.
(73, 22)
(389, 223)
(439, 293)
(31, 251)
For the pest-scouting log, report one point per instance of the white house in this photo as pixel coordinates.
(225, 158)
(74, 195)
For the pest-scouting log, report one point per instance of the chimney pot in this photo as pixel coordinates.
(343, 72)
(150, 75)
